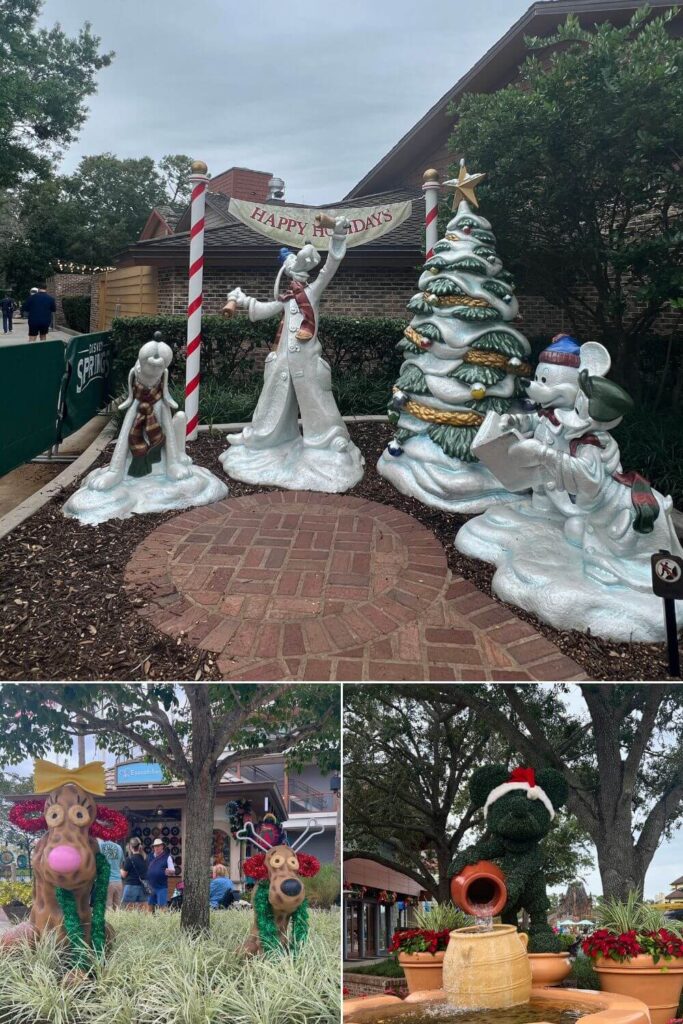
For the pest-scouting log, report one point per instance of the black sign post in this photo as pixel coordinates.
(667, 583)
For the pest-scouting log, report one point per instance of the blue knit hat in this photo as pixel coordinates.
(564, 351)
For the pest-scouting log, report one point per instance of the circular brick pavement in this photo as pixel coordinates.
(316, 586)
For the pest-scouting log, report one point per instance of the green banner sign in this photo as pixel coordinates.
(86, 385)
(30, 374)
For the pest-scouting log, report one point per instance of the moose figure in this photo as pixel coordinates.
(68, 868)
(280, 895)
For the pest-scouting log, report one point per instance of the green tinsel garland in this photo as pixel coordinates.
(81, 958)
(267, 927)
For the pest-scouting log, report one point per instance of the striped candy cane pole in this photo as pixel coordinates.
(198, 181)
(431, 191)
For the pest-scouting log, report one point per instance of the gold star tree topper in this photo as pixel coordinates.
(464, 186)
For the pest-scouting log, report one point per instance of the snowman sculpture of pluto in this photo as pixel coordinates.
(576, 552)
(150, 471)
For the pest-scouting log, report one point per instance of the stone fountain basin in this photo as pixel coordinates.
(600, 1007)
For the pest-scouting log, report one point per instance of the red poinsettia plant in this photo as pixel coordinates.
(660, 945)
(419, 940)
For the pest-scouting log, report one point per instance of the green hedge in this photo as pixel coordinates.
(77, 312)
(233, 350)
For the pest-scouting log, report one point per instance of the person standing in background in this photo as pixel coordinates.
(160, 867)
(40, 307)
(7, 306)
(134, 873)
(114, 854)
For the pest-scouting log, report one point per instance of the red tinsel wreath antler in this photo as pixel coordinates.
(308, 865)
(116, 829)
(255, 867)
(28, 815)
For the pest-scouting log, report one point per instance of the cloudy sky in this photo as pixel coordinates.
(314, 91)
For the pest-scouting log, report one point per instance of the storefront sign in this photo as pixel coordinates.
(295, 225)
(138, 774)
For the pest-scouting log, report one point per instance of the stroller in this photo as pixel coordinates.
(176, 900)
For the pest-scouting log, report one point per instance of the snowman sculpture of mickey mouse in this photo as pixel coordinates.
(576, 552)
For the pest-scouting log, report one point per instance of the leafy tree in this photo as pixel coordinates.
(12, 783)
(45, 77)
(622, 757)
(196, 732)
(584, 154)
(408, 758)
(175, 172)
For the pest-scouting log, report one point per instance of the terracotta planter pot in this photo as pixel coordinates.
(480, 887)
(423, 971)
(657, 985)
(549, 968)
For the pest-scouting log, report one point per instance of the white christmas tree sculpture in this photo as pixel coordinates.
(462, 359)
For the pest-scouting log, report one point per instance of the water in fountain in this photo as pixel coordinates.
(483, 918)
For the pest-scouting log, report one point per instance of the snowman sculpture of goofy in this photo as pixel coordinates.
(576, 552)
(297, 381)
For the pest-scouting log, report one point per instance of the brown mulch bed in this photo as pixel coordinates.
(66, 616)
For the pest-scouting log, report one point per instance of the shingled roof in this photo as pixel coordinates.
(228, 242)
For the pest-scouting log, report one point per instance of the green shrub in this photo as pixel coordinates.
(21, 892)
(323, 889)
(233, 349)
(582, 974)
(382, 969)
(77, 312)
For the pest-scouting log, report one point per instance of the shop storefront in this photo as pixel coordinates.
(377, 901)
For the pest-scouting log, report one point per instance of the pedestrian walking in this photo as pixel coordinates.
(114, 854)
(160, 868)
(40, 307)
(7, 306)
(134, 875)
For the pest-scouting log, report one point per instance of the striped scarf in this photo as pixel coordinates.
(645, 505)
(146, 436)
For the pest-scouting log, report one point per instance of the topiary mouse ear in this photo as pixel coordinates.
(485, 779)
(554, 784)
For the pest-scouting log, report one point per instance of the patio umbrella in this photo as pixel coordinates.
(585, 921)
(567, 922)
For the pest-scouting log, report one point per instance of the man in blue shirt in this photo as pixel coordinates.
(39, 308)
(219, 888)
(160, 867)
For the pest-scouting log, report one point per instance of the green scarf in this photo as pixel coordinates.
(267, 926)
(81, 954)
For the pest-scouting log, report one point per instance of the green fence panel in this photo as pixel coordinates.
(30, 376)
(87, 382)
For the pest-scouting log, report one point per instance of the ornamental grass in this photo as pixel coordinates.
(156, 973)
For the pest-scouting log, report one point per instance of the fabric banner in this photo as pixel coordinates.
(295, 225)
(86, 384)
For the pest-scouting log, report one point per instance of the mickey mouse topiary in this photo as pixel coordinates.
(518, 809)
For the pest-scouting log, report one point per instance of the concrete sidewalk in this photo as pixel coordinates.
(19, 334)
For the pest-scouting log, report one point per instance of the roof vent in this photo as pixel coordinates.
(276, 188)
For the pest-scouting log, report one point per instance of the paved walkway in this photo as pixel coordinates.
(19, 334)
(300, 585)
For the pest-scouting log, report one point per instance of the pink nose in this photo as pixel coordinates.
(64, 859)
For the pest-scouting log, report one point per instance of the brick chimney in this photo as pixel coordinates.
(242, 183)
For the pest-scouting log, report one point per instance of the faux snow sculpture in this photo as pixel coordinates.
(70, 875)
(519, 808)
(297, 381)
(150, 471)
(280, 896)
(462, 359)
(577, 552)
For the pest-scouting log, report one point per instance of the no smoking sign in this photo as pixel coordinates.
(667, 576)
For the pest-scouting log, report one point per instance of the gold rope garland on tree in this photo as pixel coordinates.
(455, 300)
(451, 419)
(496, 359)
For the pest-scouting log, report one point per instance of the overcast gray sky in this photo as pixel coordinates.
(315, 91)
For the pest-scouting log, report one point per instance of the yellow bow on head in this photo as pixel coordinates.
(50, 776)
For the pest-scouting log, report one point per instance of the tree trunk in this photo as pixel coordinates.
(619, 865)
(337, 835)
(444, 860)
(197, 847)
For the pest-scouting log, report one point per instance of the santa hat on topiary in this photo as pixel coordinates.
(564, 351)
(521, 779)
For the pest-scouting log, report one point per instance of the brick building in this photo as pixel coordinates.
(378, 278)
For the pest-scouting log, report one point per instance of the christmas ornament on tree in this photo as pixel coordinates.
(462, 359)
